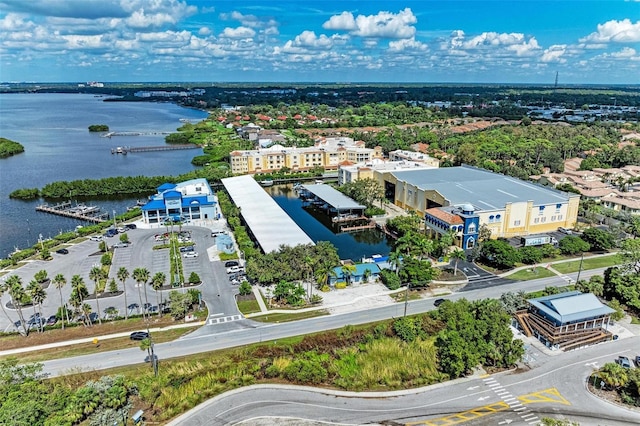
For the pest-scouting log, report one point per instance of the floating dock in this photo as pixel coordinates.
(79, 211)
(126, 149)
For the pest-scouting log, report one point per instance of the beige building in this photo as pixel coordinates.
(376, 169)
(508, 206)
(327, 153)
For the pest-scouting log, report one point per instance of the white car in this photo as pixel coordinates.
(234, 269)
(190, 254)
(96, 238)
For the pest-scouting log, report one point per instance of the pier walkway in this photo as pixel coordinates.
(127, 149)
(79, 211)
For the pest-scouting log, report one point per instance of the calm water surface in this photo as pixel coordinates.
(58, 146)
(318, 227)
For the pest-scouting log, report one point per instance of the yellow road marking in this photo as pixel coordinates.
(546, 395)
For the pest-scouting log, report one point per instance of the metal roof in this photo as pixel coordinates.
(570, 307)
(482, 188)
(333, 197)
(269, 224)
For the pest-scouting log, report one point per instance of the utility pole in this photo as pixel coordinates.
(406, 299)
(580, 268)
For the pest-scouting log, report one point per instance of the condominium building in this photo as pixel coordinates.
(327, 153)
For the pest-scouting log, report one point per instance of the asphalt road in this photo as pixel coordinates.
(555, 387)
(245, 332)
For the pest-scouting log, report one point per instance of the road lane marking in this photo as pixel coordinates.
(222, 320)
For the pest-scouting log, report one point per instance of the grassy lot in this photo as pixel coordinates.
(15, 341)
(588, 263)
(248, 306)
(413, 295)
(293, 316)
(530, 274)
(100, 346)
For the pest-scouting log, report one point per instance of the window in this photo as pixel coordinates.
(516, 223)
(472, 228)
(536, 220)
(540, 210)
(497, 218)
(492, 218)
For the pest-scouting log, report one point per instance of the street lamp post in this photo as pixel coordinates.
(406, 299)
(580, 268)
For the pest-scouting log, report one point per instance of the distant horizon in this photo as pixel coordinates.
(399, 42)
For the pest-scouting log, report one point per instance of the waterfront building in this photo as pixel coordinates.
(327, 153)
(374, 169)
(185, 201)
(508, 206)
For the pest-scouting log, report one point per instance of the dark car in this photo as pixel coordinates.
(438, 302)
(186, 249)
(149, 357)
(52, 320)
(62, 251)
(139, 335)
(130, 226)
(230, 263)
(638, 361)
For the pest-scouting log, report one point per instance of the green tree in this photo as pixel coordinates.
(530, 255)
(79, 293)
(630, 255)
(347, 272)
(37, 295)
(456, 255)
(598, 239)
(613, 375)
(572, 244)
(141, 276)
(499, 254)
(179, 304)
(290, 293)
(124, 238)
(122, 275)
(97, 275)
(157, 282)
(245, 288)
(18, 298)
(59, 281)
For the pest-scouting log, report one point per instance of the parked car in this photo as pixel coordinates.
(234, 269)
(139, 335)
(230, 263)
(62, 251)
(52, 320)
(190, 255)
(96, 238)
(149, 357)
(146, 306)
(185, 249)
(638, 361)
(121, 230)
(121, 244)
(130, 226)
(110, 233)
(565, 231)
(216, 233)
(623, 362)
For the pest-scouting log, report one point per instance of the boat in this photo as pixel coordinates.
(319, 181)
(266, 182)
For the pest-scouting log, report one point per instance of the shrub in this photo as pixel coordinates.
(340, 285)
(390, 279)
(530, 255)
(306, 371)
(194, 278)
(245, 288)
(406, 329)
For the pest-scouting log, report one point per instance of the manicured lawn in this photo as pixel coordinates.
(588, 263)
(294, 316)
(530, 274)
(248, 306)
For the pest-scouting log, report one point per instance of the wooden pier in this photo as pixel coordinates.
(126, 149)
(111, 134)
(370, 225)
(79, 211)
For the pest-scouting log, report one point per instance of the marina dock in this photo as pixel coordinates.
(126, 149)
(79, 211)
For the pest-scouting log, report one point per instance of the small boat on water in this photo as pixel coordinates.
(319, 181)
(267, 182)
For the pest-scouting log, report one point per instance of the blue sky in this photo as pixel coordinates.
(426, 41)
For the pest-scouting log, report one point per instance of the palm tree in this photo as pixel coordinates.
(395, 259)
(614, 375)
(347, 271)
(122, 275)
(37, 295)
(18, 297)
(158, 280)
(78, 294)
(3, 290)
(141, 275)
(456, 255)
(60, 281)
(96, 274)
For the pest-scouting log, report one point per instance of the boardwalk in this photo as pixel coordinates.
(79, 211)
(127, 149)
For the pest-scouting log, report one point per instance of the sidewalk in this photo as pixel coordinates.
(547, 265)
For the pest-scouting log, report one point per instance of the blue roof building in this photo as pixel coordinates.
(567, 320)
(181, 202)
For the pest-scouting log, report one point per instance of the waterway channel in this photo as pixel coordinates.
(318, 226)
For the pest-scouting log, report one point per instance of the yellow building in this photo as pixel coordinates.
(326, 153)
(508, 206)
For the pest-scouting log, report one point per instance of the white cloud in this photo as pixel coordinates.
(615, 31)
(626, 52)
(14, 22)
(204, 31)
(407, 44)
(382, 25)
(251, 21)
(237, 33)
(554, 53)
